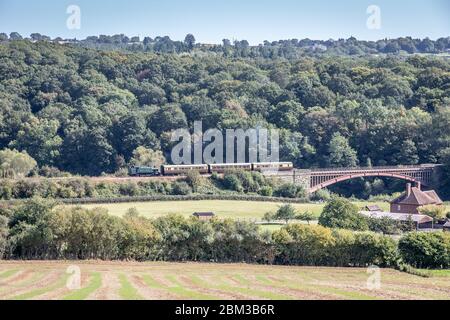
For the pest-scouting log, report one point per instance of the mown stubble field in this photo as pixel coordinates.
(201, 281)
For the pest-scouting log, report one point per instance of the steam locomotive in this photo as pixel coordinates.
(172, 170)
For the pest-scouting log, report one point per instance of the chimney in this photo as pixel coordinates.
(408, 189)
(418, 185)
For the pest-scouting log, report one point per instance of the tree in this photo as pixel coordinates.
(31, 235)
(189, 41)
(14, 163)
(436, 212)
(341, 154)
(426, 249)
(286, 212)
(15, 36)
(341, 213)
(130, 133)
(143, 156)
(41, 140)
(169, 117)
(307, 216)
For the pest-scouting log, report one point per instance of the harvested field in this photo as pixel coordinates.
(201, 281)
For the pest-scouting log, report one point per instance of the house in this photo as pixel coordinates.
(413, 199)
(203, 215)
(420, 220)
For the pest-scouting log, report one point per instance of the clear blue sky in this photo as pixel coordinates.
(211, 21)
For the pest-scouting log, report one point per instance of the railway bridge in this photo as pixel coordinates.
(316, 179)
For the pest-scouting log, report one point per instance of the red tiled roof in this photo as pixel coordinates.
(418, 197)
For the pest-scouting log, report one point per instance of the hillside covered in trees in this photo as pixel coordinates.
(86, 111)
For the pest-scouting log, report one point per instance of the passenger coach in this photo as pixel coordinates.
(168, 170)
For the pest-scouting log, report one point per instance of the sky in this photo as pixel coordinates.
(213, 20)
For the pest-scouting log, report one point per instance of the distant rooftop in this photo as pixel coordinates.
(203, 214)
(415, 196)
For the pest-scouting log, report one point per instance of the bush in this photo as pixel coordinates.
(302, 245)
(306, 216)
(436, 212)
(289, 190)
(194, 180)
(317, 245)
(321, 195)
(232, 182)
(384, 225)
(426, 250)
(52, 172)
(374, 249)
(130, 189)
(266, 191)
(341, 213)
(181, 188)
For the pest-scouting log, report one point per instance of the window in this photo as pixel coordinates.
(399, 207)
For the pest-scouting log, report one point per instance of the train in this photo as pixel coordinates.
(173, 170)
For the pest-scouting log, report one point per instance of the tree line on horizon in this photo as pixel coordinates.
(290, 48)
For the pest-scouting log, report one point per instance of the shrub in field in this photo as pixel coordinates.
(426, 250)
(290, 190)
(30, 234)
(194, 180)
(130, 189)
(341, 213)
(181, 188)
(52, 172)
(372, 248)
(232, 182)
(302, 244)
(285, 212)
(321, 195)
(317, 245)
(179, 237)
(384, 225)
(307, 216)
(237, 241)
(266, 191)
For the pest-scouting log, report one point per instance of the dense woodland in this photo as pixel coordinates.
(86, 111)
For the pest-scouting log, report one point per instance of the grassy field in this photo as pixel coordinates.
(222, 208)
(196, 281)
